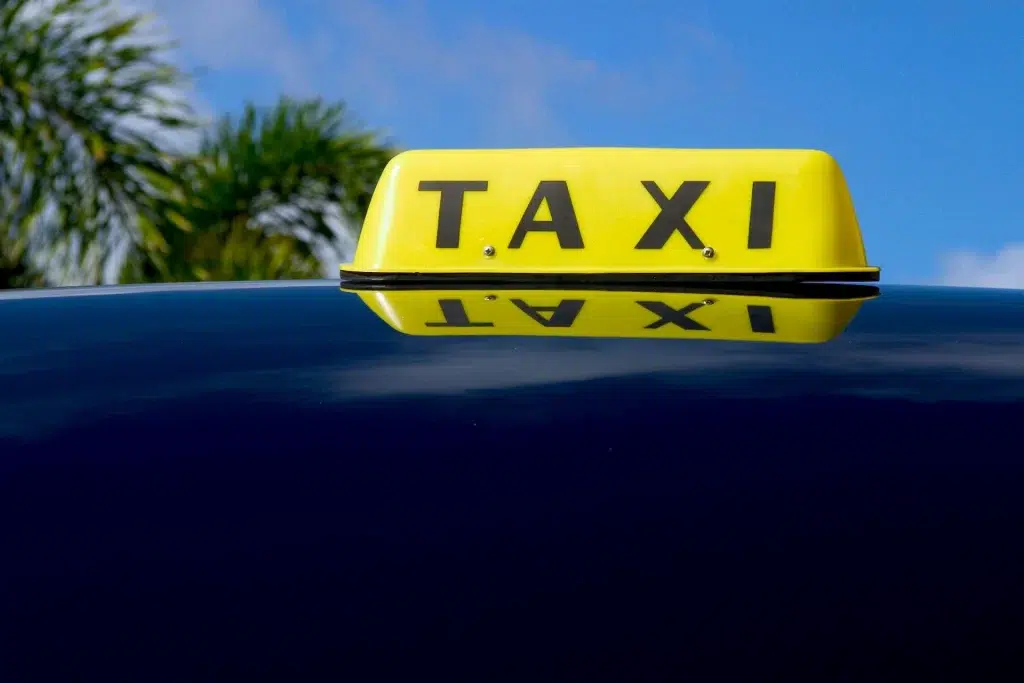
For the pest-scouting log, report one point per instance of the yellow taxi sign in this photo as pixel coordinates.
(610, 214)
(616, 313)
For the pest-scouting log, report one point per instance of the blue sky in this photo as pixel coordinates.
(917, 100)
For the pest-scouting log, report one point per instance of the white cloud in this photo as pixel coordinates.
(233, 34)
(390, 59)
(1002, 270)
(512, 72)
(401, 56)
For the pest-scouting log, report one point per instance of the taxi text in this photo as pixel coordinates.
(567, 311)
(671, 217)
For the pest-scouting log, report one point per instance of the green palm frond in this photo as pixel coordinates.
(16, 267)
(83, 92)
(265, 195)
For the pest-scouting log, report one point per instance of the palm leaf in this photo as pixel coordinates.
(266, 195)
(82, 90)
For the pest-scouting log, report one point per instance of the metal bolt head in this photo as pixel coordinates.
(708, 302)
(490, 297)
(488, 251)
(708, 252)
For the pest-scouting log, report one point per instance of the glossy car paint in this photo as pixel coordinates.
(206, 483)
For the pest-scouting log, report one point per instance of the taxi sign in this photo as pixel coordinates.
(794, 319)
(610, 214)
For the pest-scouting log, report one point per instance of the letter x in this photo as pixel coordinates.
(672, 216)
(666, 314)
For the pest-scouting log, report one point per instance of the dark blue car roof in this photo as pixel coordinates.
(269, 480)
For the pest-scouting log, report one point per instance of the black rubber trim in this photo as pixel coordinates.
(354, 278)
(806, 290)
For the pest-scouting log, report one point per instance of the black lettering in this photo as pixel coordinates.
(562, 315)
(563, 216)
(449, 214)
(761, 319)
(454, 312)
(672, 217)
(762, 215)
(666, 314)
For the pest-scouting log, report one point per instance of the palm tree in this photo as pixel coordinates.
(84, 96)
(266, 196)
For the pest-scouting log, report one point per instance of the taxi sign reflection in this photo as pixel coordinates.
(767, 317)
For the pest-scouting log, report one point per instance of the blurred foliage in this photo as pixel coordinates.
(91, 178)
(265, 196)
(83, 92)
(16, 269)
